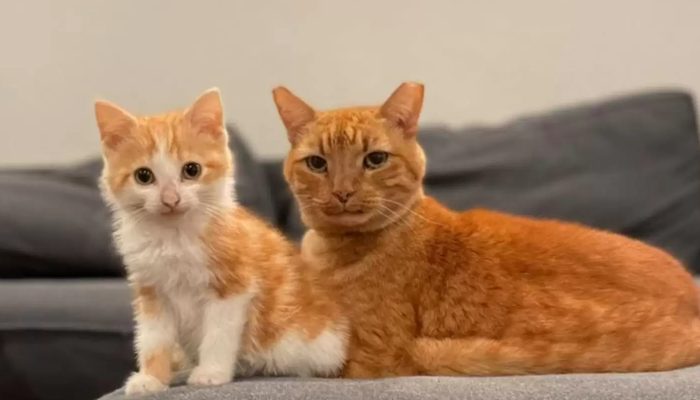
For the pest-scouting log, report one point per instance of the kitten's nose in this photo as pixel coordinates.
(170, 198)
(343, 196)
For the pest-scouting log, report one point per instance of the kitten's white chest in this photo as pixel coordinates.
(173, 261)
(170, 258)
(186, 308)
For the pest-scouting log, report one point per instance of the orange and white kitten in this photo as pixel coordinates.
(433, 291)
(213, 284)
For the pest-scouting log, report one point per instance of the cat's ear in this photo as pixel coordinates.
(206, 115)
(294, 112)
(403, 107)
(114, 123)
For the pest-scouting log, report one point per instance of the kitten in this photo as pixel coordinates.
(212, 282)
(432, 291)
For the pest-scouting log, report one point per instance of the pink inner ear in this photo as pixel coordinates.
(296, 119)
(206, 114)
(113, 122)
(207, 123)
(206, 120)
(208, 126)
(404, 106)
(113, 140)
(401, 116)
(113, 133)
(295, 113)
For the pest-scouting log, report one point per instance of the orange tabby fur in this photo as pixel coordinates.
(226, 253)
(432, 291)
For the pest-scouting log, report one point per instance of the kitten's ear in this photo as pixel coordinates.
(114, 123)
(294, 112)
(403, 107)
(206, 115)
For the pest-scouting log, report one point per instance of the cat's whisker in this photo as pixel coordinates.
(417, 214)
(400, 218)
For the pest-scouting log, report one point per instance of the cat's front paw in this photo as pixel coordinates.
(140, 383)
(209, 376)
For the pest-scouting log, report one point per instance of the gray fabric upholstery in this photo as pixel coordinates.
(673, 385)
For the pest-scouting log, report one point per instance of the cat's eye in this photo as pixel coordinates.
(316, 163)
(144, 176)
(375, 159)
(191, 170)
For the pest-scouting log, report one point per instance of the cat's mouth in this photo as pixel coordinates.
(346, 212)
(343, 210)
(347, 217)
(173, 212)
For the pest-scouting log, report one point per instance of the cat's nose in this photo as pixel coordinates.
(170, 198)
(343, 196)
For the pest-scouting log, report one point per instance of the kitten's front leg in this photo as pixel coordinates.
(223, 323)
(155, 341)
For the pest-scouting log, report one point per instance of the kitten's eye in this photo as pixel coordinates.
(191, 170)
(316, 163)
(375, 159)
(144, 176)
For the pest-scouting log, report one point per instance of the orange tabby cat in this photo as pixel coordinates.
(432, 291)
(213, 283)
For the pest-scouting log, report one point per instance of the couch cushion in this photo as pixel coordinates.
(629, 165)
(64, 338)
(52, 226)
(54, 223)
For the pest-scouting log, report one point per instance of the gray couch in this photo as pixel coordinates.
(630, 165)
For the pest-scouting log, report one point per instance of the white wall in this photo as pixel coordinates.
(482, 61)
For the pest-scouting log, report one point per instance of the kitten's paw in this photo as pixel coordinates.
(209, 376)
(140, 383)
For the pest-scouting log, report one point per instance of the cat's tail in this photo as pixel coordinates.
(471, 356)
(488, 357)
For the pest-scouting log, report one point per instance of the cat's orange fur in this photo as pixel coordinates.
(187, 262)
(433, 291)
